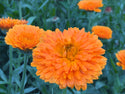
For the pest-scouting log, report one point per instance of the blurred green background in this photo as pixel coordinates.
(52, 14)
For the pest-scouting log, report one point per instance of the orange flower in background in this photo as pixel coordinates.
(7, 23)
(70, 59)
(90, 5)
(24, 36)
(102, 31)
(121, 57)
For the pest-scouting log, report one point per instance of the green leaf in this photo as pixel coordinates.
(31, 19)
(28, 90)
(3, 76)
(3, 82)
(3, 91)
(99, 84)
(32, 71)
(17, 81)
(26, 6)
(2, 8)
(43, 4)
(17, 71)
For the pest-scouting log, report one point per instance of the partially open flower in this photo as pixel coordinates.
(24, 37)
(108, 9)
(121, 57)
(90, 5)
(102, 31)
(7, 23)
(71, 58)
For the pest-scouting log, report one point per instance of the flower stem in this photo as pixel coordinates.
(68, 1)
(117, 85)
(89, 20)
(20, 10)
(24, 73)
(65, 91)
(10, 68)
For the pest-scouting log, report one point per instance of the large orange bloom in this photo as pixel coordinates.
(7, 23)
(121, 57)
(70, 59)
(24, 36)
(102, 31)
(90, 5)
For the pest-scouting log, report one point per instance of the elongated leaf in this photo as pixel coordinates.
(18, 70)
(31, 19)
(28, 90)
(43, 4)
(3, 76)
(27, 6)
(3, 91)
(99, 84)
(18, 81)
(3, 82)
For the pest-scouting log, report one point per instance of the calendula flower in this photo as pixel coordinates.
(90, 5)
(102, 31)
(71, 58)
(121, 57)
(24, 36)
(7, 23)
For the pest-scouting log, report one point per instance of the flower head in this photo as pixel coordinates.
(108, 9)
(7, 23)
(121, 57)
(70, 59)
(24, 36)
(90, 5)
(102, 31)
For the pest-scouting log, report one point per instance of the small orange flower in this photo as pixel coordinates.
(70, 59)
(24, 36)
(102, 31)
(7, 23)
(121, 57)
(90, 5)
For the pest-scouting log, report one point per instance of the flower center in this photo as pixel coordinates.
(69, 51)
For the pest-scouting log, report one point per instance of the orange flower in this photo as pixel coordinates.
(70, 59)
(7, 23)
(102, 31)
(24, 36)
(121, 57)
(90, 5)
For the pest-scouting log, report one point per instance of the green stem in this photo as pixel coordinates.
(10, 68)
(117, 85)
(89, 21)
(24, 73)
(68, 1)
(20, 10)
(113, 64)
(65, 91)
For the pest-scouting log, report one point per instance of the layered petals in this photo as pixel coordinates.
(71, 58)
(90, 5)
(121, 57)
(7, 23)
(24, 36)
(103, 32)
